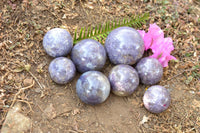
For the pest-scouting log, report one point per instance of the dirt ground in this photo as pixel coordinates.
(56, 108)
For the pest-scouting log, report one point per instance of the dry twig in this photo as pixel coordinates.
(22, 89)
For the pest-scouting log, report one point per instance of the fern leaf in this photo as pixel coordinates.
(91, 32)
(95, 30)
(80, 35)
(124, 21)
(108, 26)
(115, 23)
(88, 32)
(84, 33)
(100, 32)
(75, 34)
(105, 28)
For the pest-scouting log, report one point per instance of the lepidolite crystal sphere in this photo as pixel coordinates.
(149, 70)
(93, 87)
(88, 55)
(156, 99)
(62, 70)
(57, 42)
(124, 45)
(123, 79)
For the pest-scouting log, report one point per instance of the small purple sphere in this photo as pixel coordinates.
(124, 45)
(62, 70)
(123, 79)
(93, 87)
(88, 55)
(156, 99)
(149, 70)
(57, 42)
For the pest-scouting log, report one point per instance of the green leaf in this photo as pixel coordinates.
(95, 31)
(91, 32)
(105, 28)
(100, 32)
(115, 23)
(88, 32)
(75, 34)
(18, 69)
(84, 33)
(80, 35)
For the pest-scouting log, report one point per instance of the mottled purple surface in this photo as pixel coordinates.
(93, 87)
(156, 99)
(149, 70)
(124, 45)
(57, 42)
(88, 55)
(62, 70)
(123, 79)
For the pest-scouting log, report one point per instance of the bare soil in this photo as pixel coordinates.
(56, 108)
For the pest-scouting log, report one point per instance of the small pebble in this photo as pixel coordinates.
(28, 82)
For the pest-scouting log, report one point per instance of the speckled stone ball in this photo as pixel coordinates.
(88, 55)
(62, 70)
(124, 45)
(156, 99)
(57, 42)
(123, 79)
(93, 87)
(149, 70)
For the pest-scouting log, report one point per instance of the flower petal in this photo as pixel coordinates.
(155, 31)
(142, 33)
(160, 46)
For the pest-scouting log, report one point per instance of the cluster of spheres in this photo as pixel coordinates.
(124, 47)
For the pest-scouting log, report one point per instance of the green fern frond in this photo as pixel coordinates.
(100, 32)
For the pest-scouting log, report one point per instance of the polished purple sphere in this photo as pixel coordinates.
(88, 55)
(62, 70)
(124, 45)
(93, 87)
(123, 79)
(149, 70)
(156, 99)
(57, 42)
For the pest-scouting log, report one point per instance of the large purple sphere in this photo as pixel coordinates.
(93, 87)
(156, 99)
(88, 55)
(149, 70)
(124, 45)
(123, 79)
(57, 42)
(62, 70)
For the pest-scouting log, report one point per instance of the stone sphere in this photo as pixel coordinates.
(149, 70)
(123, 79)
(124, 45)
(57, 42)
(88, 55)
(62, 70)
(93, 87)
(156, 99)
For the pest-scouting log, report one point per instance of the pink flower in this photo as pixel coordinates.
(146, 38)
(142, 33)
(160, 46)
(155, 31)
